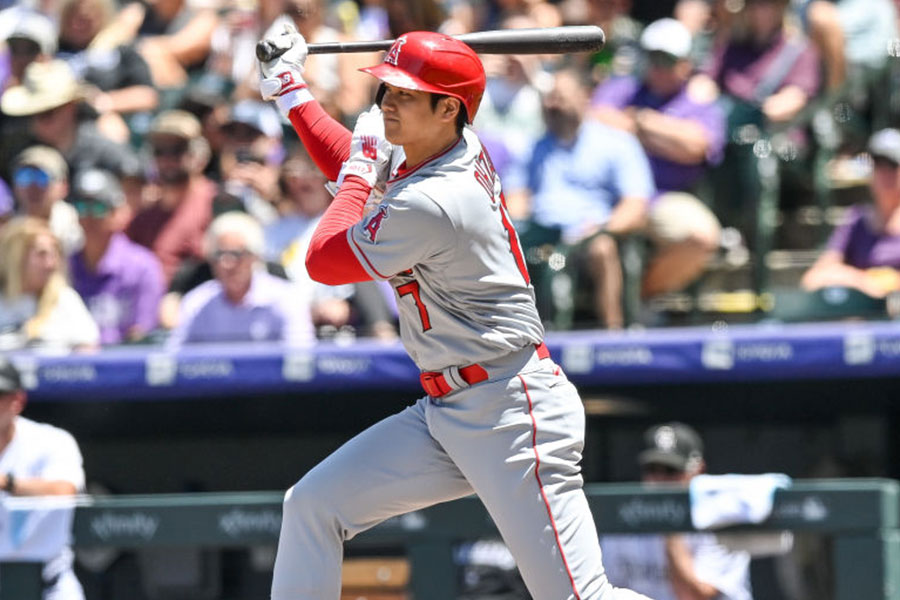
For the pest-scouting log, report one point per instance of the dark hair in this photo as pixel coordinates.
(462, 117)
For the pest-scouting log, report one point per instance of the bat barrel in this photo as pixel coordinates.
(546, 40)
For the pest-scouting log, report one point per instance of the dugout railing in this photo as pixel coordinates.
(860, 516)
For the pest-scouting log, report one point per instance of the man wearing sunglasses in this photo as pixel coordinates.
(120, 282)
(691, 566)
(172, 226)
(682, 130)
(40, 182)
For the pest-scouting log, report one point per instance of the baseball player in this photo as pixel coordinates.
(499, 417)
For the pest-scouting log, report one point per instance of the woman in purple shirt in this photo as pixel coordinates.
(864, 252)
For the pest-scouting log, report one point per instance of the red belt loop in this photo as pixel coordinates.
(435, 384)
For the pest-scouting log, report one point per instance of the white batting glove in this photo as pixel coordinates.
(281, 79)
(370, 153)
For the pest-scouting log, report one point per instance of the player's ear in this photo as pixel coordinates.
(449, 107)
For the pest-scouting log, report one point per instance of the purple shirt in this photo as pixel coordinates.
(627, 91)
(862, 244)
(273, 310)
(739, 68)
(124, 291)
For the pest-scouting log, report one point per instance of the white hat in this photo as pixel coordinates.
(45, 86)
(669, 36)
(26, 24)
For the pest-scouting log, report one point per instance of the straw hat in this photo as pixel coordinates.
(45, 86)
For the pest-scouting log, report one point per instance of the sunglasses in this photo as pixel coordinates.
(91, 209)
(173, 150)
(230, 254)
(661, 59)
(23, 47)
(27, 176)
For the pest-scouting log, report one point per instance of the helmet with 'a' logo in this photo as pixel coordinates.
(436, 63)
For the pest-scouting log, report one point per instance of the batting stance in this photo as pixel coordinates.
(500, 418)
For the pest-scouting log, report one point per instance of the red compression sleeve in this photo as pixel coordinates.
(329, 259)
(326, 140)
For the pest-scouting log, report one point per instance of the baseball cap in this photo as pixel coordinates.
(672, 444)
(258, 115)
(46, 159)
(96, 185)
(26, 24)
(886, 144)
(45, 86)
(10, 380)
(669, 36)
(176, 122)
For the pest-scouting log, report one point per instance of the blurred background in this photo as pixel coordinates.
(720, 170)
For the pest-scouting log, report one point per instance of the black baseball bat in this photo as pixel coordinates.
(545, 40)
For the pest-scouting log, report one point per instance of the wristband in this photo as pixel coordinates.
(10, 483)
(292, 99)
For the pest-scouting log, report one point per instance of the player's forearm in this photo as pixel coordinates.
(32, 486)
(326, 140)
(329, 259)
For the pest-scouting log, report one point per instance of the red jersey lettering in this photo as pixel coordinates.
(374, 223)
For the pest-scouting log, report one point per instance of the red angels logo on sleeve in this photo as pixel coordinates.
(393, 54)
(375, 221)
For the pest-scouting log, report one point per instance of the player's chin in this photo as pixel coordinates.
(393, 131)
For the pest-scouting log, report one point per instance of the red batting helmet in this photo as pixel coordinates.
(434, 62)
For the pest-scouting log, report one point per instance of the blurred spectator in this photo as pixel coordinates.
(542, 13)
(682, 130)
(181, 206)
(250, 160)
(586, 182)
(118, 79)
(304, 199)
(766, 73)
(413, 15)
(510, 110)
(120, 281)
(243, 302)
(40, 185)
(674, 567)
(334, 79)
(38, 459)
(232, 58)
(37, 306)
(51, 95)
(864, 252)
(619, 54)
(29, 36)
(173, 36)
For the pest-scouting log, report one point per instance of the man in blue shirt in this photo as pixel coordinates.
(586, 184)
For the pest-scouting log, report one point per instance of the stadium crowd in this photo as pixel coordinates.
(147, 195)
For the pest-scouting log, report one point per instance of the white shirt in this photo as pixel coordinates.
(639, 562)
(69, 323)
(47, 452)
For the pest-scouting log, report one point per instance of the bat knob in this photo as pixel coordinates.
(266, 51)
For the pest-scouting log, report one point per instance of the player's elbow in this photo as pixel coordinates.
(318, 269)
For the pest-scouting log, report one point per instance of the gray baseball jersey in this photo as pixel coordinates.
(442, 237)
(444, 241)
